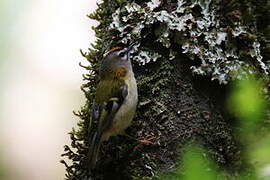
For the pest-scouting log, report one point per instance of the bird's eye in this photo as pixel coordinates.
(122, 54)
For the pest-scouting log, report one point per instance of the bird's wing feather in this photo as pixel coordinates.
(104, 110)
(110, 104)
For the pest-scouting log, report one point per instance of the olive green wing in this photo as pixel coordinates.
(109, 98)
(104, 111)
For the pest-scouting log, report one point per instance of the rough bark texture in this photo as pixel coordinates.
(175, 106)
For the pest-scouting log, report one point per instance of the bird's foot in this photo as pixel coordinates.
(145, 141)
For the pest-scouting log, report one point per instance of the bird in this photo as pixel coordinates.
(115, 100)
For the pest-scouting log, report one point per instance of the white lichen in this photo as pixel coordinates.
(132, 7)
(146, 56)
(116, 24)
(221, 36)
(200, 36)
(238, 30)
(153, 4)
(180, 7)
(256, 53)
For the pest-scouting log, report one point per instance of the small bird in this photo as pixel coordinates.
(115, 100)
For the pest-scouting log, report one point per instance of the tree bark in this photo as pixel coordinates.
(175, 106)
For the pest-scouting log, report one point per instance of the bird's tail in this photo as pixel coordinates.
(94, 150)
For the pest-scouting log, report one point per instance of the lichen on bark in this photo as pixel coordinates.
(175, 40)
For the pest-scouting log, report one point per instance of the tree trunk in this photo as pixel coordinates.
(176, 104)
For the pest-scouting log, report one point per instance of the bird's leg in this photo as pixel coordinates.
(141, 141)
(145, 141)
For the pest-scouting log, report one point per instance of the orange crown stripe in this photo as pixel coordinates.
(112, 50)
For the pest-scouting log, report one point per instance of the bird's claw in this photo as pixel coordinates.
(144, 141)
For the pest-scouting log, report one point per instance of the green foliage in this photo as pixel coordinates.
(247, 103)
(259, 151)
(196, 164)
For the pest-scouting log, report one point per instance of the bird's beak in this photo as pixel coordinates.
(129, 48)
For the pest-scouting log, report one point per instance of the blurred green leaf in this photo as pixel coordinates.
(259, 152)
(246, 102)
(196, 165)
